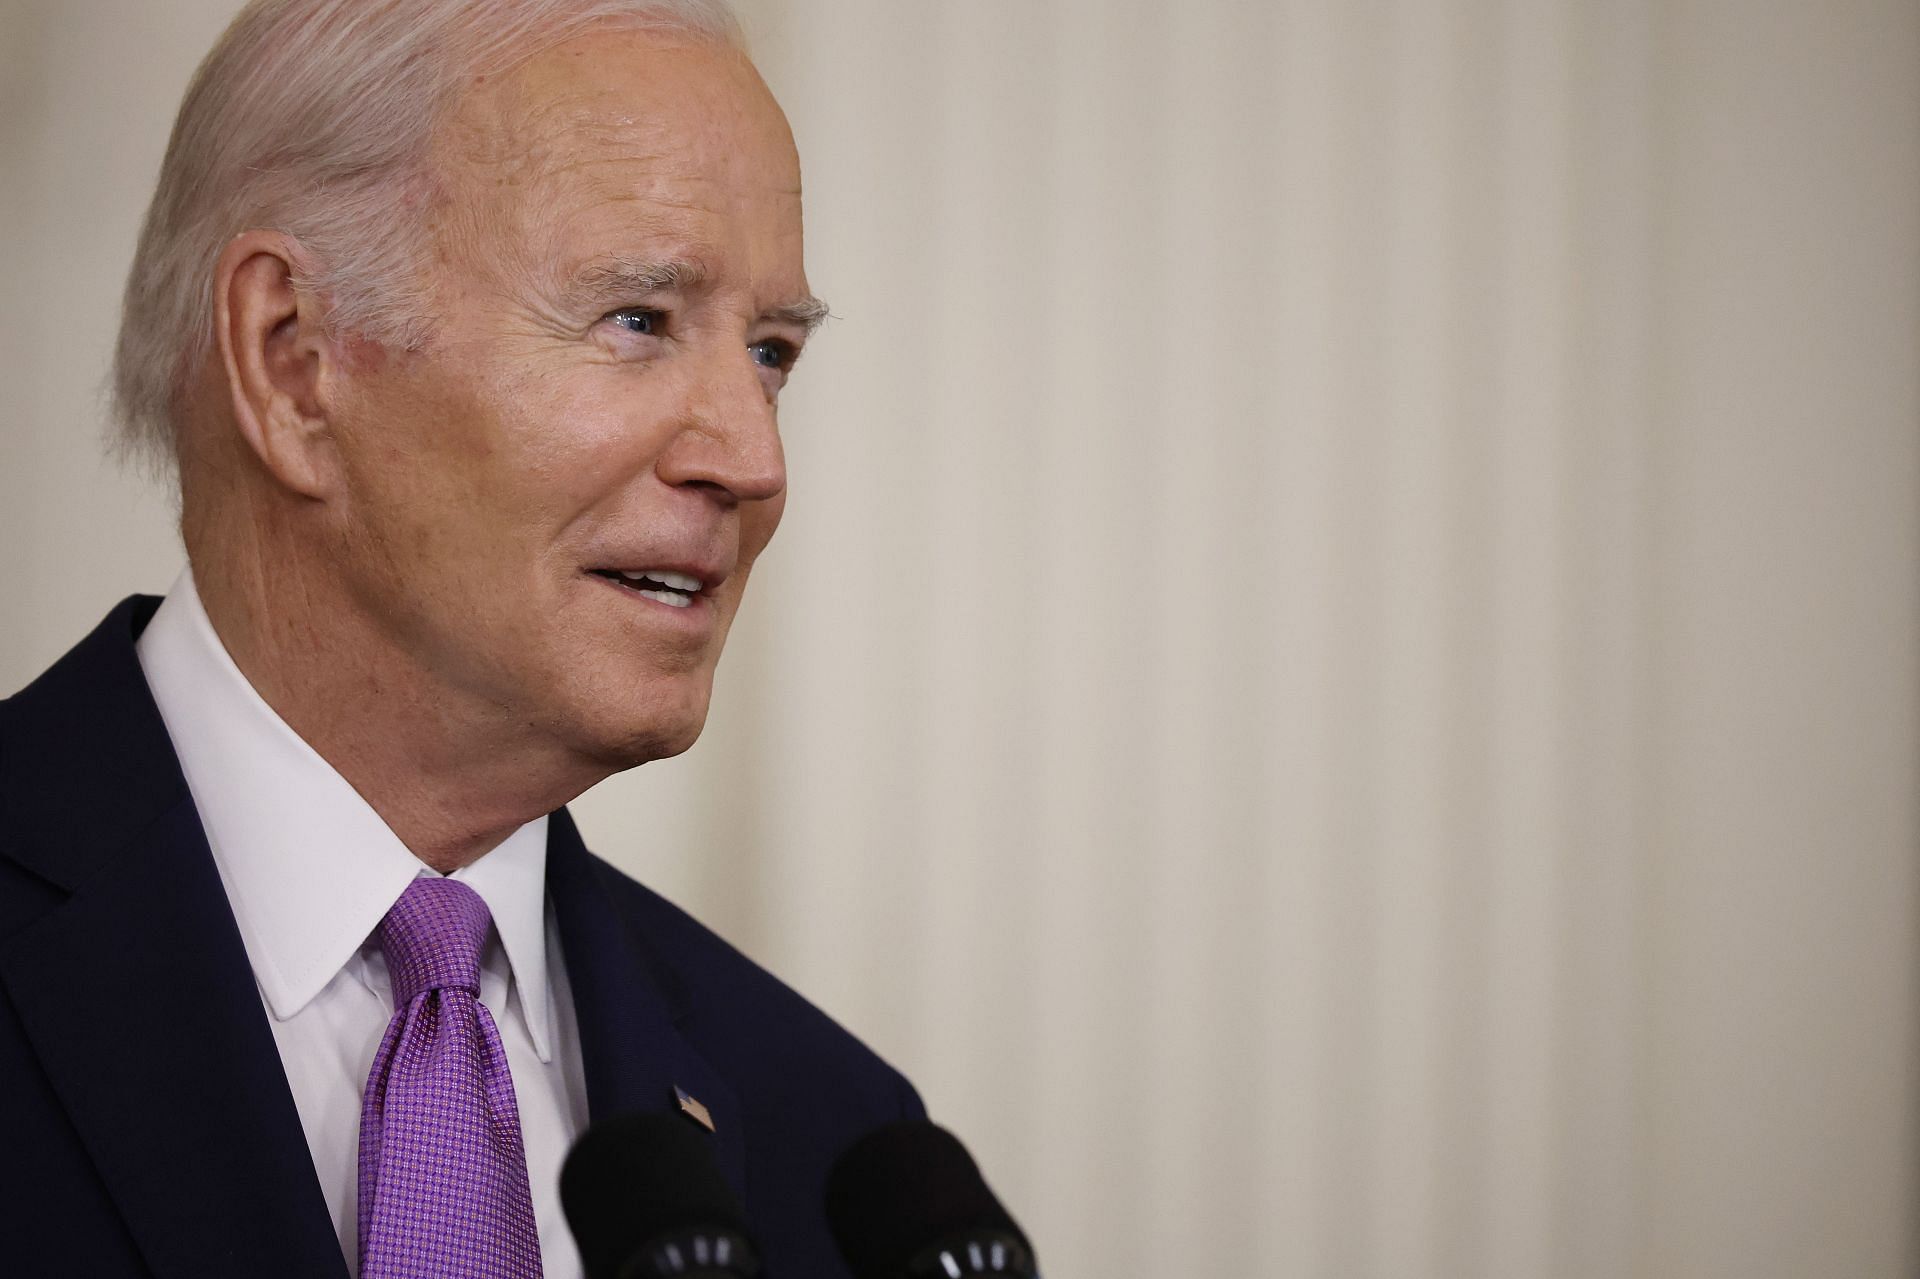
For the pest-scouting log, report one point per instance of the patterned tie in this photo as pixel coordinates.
(443, 1173)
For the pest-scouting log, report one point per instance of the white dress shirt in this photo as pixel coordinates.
(310, 869)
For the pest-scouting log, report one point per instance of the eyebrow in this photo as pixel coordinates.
(614, 279)
(809, 313)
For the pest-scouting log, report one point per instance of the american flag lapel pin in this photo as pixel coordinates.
(690, 1107)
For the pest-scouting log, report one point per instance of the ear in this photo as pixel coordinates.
(278, 359)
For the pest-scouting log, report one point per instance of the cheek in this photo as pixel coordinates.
(424, 473)
(464, 448)
(582, 437)
(395, 476)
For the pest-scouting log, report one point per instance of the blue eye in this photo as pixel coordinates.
(771, 354)
(637, 320)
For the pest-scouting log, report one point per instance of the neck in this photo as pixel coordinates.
(450, 777)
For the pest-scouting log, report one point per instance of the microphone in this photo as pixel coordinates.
(907, 1201)
(646, 1201)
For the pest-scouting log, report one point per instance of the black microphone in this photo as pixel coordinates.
(646, 1201)
(907, 1201)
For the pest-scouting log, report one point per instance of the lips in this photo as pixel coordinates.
(674, 589)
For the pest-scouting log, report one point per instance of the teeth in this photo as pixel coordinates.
(670, 597)
(678, 581)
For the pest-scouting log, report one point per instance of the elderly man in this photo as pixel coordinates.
(464, 323)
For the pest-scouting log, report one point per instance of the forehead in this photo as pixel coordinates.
(623, 136)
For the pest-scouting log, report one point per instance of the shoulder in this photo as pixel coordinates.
(84, 758)
(751, 1025)
(806, 1088)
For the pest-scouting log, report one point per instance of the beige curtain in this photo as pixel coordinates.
(1342, 683)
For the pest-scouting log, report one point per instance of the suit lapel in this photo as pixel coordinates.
(629, 1006)
(136, 991)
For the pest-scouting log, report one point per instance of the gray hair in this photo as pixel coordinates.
(314, 117)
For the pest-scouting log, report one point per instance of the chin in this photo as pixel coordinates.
(645, 748)
(622, 737)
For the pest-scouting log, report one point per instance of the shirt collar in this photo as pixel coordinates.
(309, 867)
(512, 880)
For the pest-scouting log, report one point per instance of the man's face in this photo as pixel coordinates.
(619, 296)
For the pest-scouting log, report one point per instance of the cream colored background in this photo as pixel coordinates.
(1342, 685)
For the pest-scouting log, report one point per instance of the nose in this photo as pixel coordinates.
(729, 441)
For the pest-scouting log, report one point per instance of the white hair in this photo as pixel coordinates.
(314, 117)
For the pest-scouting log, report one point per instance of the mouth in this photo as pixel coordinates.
(675, 590)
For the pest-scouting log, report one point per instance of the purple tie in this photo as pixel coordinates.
(443, 1173)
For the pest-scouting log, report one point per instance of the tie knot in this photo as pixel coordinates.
(432, 938)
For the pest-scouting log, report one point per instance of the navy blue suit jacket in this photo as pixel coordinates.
(146, 1126)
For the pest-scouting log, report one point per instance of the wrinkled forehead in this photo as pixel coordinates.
(618, 105)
